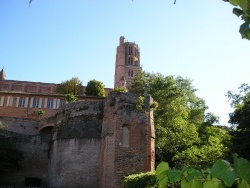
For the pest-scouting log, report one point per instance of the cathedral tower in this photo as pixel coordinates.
(127, 63)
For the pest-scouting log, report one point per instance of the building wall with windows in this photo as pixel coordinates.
(25, 105)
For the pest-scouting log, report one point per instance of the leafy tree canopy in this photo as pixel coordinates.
(72, 86)
(179, 119)
(95, 88)
(240, 120)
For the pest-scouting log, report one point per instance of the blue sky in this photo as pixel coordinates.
(55, 40)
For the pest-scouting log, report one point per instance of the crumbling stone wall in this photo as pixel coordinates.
(75, 152)
(87, 143)
(22, 126)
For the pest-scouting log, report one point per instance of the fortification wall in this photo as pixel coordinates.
(35, 149)
(86, 144)
(22, 126)
(127, 138)
(75, 163)
(75, 152)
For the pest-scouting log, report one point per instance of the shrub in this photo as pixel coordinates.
(141, 180)
(119, 89)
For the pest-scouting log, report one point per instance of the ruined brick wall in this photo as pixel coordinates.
(127, 138)
(22, 126)
(86, 144)
(75, 151)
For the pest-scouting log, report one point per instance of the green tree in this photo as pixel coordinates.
(240, 120)
(10, 157)
(72, 86)
(174, 130)
(95, 88)
(180, 121)
(214, 142)
(140, 83)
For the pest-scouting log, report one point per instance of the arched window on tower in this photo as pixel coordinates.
(125, 136)
(130, 73)
(130, 60)
(130, 50)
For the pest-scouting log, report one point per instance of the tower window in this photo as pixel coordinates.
(125, 136)
(130, 73)
(130, 50)
(130, 60)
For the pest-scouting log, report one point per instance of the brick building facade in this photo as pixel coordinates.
(91, 143)
(23, 98)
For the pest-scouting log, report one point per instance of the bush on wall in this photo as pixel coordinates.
(141, 180)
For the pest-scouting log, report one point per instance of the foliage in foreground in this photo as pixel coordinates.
(221, 174)
(242, 10)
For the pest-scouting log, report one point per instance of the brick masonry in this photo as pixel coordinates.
(90, 143)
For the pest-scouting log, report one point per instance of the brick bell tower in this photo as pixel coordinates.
(127, 63)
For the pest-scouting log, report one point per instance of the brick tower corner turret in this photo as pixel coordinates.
(128, 138)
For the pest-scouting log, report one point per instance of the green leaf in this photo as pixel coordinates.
(215, 183)
(197, 184)
(163, 183)
(224, 171)
(186, 184)
(244, 184)
(245, 30)
(162, 167)
(161, 173)
(243, 4)
(234, 2)
(174, 176)
(193, 173)
(237, 11)
(236, 163)
(244, 169)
